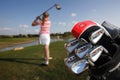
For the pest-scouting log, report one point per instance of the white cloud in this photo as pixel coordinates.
(73, 14)
(6, 29)
(62, 23)
(23, 26)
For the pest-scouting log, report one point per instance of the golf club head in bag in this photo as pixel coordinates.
(89, 30)
(79, 66)
(75, 64)
(90, 53)
(79, 62)
(82, 50)
(96, 52)
(72, 44)
(96, 35)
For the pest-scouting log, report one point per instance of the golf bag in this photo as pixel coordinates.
(96, 48)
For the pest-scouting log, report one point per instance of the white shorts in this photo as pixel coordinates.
(44, 39)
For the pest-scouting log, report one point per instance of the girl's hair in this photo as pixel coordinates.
(45, 15)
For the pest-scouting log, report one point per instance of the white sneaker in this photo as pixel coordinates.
(45, 63)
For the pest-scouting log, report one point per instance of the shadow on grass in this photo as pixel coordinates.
(23, 60)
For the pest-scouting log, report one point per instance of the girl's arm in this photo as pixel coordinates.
(35, 23)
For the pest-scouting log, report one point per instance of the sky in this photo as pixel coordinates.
(16, 16)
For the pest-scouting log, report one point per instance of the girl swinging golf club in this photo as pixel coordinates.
(44, 38)
(45, 24)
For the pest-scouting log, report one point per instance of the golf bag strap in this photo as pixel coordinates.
(107, 74)
(115, 68)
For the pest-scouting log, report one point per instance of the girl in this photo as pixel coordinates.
(44, 38)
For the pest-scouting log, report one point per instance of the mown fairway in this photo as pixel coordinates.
(5, 42)
(25, 64)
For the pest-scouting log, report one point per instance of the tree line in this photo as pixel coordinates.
(65, 34)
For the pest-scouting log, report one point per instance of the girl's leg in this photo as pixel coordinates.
(47, 54)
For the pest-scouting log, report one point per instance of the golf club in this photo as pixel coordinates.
(58, 7)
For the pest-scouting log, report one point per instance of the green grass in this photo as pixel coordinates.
(5, 42)
(24, 64)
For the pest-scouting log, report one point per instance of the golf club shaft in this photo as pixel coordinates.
(48, 9)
